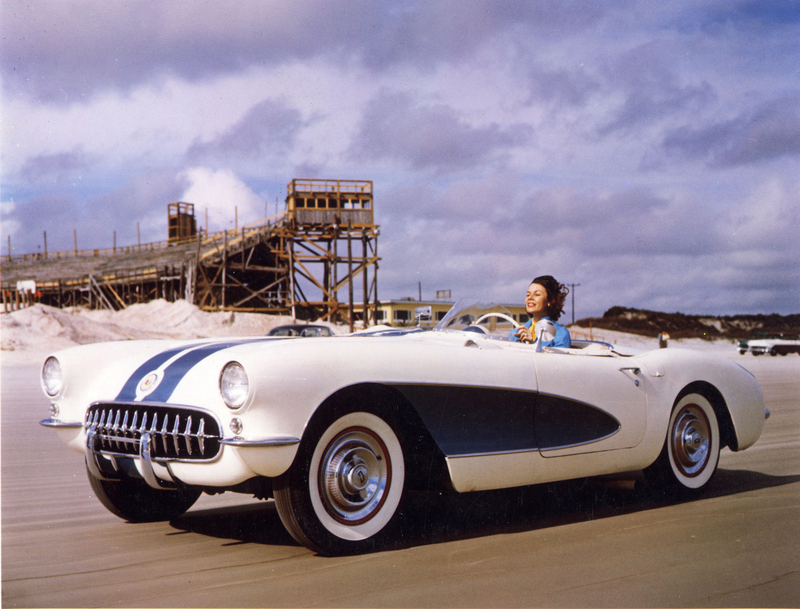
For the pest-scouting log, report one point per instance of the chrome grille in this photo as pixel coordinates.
(176, 433)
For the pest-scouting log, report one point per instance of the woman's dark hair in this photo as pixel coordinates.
(556, 295)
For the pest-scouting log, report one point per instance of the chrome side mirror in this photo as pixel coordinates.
(544, 330)
(421, 313)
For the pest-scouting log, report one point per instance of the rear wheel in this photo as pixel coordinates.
(691, 449)
(345, 488)
(132, 499)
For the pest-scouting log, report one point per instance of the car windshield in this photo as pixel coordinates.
(471, 313)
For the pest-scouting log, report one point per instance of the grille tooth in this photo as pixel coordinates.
(115, 428)
(176, 432)
(187, 434)
(100, 427)
(118, 430)
(201, 436)
(164, 434)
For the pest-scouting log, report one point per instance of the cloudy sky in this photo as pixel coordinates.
(648, 150)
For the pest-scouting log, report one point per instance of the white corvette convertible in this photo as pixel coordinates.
(339, 430)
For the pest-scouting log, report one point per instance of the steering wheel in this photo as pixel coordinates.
(500, 315)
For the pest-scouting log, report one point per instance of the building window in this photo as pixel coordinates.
(401, 316)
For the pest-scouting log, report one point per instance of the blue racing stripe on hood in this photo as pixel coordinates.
(174, 373)
(128, 393)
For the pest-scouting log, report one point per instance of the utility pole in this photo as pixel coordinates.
(572, 287)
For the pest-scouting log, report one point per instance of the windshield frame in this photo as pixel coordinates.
(466, 311)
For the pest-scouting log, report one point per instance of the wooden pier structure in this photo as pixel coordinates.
(316, 260)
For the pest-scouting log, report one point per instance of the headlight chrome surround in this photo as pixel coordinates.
(52, 377)
(234, 386)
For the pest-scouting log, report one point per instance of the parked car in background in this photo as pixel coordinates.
(304, 330)
(339, 430)
(774, 344)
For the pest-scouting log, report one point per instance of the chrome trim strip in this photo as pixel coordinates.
(494, 454)
(542, 451)
(595, 441)
(55, 423)
(237, 441)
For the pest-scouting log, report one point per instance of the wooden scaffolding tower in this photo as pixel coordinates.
(303, 262)
(316, 260)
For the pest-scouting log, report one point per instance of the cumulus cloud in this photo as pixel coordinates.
(770, 131)
(56, 168)
(561, 87)
(139, 202)
(429, 137)
(64, 52)
(225, 197)
(651, 89)
(268, 129)
(67, 51)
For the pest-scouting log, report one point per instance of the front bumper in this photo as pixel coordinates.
(170, 445)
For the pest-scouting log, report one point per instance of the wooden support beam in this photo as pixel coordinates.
(114, 293)
(350, 275)
(93, 285)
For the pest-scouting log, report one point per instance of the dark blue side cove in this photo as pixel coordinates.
(480, 420)
(475, 420)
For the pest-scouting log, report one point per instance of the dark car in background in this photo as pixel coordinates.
(303, 330)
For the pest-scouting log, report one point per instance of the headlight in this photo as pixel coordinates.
(233, 385)
(52, 380)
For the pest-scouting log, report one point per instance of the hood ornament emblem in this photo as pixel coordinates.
(148, 384)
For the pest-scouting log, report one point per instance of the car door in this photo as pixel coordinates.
(588, 403)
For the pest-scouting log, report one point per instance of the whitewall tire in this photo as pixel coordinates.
(346, 485)
(691, 449)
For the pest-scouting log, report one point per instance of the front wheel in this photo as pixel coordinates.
(346, 486)
(691, 449)
(132, 499)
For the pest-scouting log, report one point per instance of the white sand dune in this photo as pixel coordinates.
(41, 329)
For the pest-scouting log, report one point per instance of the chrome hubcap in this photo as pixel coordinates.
(691, 440)
(355, 474)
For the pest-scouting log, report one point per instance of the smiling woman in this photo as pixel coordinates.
(544, 300)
